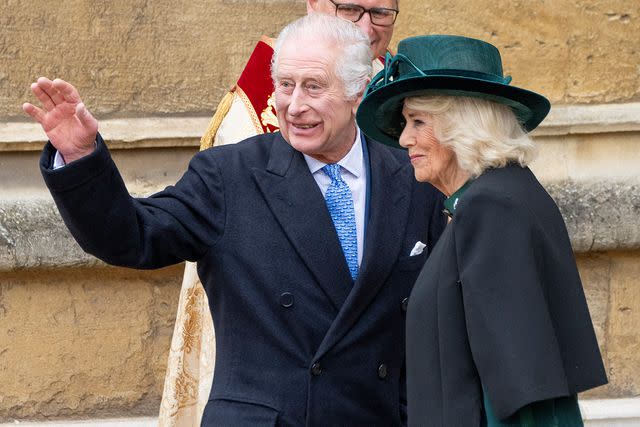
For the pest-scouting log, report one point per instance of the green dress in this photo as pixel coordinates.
(558, 412)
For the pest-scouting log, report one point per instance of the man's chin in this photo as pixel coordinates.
(304, 145)
(305, 137)
(377, 51)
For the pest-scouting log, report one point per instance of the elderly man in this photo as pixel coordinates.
(307, 240)
(248, 109)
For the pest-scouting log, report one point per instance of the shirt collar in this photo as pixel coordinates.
(352, 162)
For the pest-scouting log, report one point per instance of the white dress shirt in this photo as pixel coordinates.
(58, 161)
(354, 173)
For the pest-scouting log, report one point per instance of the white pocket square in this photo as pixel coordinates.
(417, 248)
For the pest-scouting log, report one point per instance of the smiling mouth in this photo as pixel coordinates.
(300, 126)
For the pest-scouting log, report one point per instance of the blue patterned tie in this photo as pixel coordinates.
(340, 203)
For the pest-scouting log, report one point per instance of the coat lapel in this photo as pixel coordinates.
(299, 207)
(390, 197)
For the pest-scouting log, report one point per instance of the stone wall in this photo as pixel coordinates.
(86, 342)
(80, 339)
(611, 282)
(140, 57)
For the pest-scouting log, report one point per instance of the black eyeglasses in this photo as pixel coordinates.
(379, 15)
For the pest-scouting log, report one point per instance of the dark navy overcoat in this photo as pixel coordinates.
(298, 343)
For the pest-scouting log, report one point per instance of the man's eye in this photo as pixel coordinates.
(381, 13)
(349, 11)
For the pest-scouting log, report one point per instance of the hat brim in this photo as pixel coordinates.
(380, 113)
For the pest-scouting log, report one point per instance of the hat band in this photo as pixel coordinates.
(390, 73)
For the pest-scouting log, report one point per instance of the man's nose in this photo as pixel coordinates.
(298, 102)
(365, 25)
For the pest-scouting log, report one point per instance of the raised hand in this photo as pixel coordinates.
(64, 118)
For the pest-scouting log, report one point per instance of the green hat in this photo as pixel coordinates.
(442, 65)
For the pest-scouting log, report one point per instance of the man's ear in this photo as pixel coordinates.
(311, 5)
(360, 95)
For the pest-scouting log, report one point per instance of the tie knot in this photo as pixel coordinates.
(333, 171)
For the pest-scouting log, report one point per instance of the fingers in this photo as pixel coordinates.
(36, 113)
(67, 91)
(46, 86)
(53, 92)
(85, 117)
(42, 96)
(56, 92)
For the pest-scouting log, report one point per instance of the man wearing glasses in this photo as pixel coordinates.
(374, 17)
(248, 109)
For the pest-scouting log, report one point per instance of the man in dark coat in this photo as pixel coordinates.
(305, 334)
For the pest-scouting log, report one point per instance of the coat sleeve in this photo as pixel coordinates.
(179, 223)
(510, 329)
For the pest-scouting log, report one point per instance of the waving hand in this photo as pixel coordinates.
(64, 118)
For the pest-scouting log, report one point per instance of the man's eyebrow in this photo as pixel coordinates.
(281, 74)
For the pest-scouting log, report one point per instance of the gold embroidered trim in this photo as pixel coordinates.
(268, 116)
(193, 321)
(252, 113)
(207, 139)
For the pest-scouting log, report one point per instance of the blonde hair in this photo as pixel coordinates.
(483, 134)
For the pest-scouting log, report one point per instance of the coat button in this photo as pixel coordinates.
(286, 299)
(316, 369)
(405, 304)
(383, 371)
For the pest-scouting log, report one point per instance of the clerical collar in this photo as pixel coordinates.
(451, 203)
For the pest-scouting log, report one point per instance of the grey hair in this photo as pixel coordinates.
(483, 134)
(353, 63)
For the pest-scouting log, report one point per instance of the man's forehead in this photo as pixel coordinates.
(297, 68)
(315, 56)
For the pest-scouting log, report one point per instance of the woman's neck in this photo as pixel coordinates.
(453, 181)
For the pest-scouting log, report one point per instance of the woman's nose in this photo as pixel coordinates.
(405, 139)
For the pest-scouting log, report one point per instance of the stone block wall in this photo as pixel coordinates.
(142, 57)
(79, 339)
(84, 342)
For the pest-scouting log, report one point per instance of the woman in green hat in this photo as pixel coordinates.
(498, 329)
